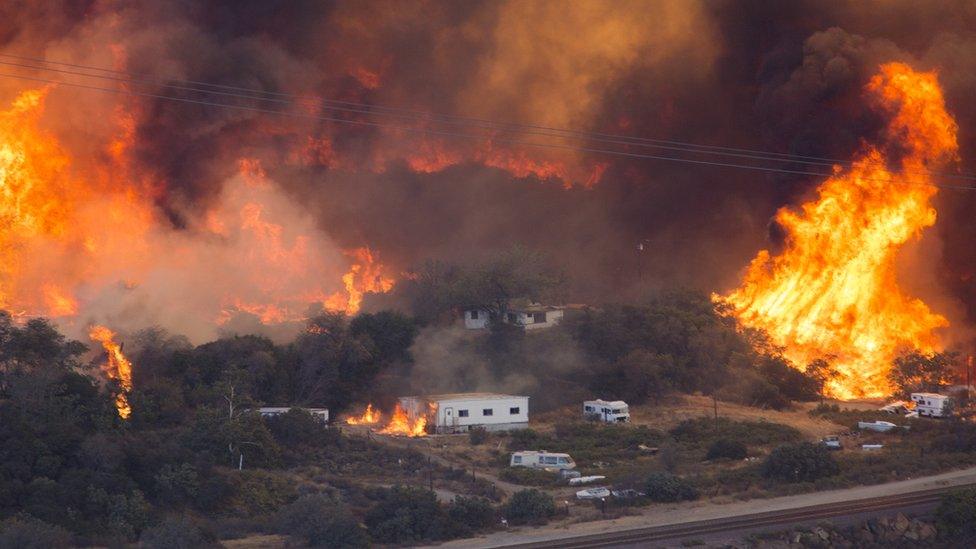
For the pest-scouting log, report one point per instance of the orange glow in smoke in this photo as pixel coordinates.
(116, 366)
(833, 289)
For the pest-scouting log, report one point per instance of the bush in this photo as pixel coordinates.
(298, 427)
(407, 514)
(802, 462)
(477, 435)
(724, 448)
(956, 514)
(530, 507)
(527, 476)
(321, 522)
(176, 533)
(665, 487)
(704, 430)
(470, 515)
(30, 533)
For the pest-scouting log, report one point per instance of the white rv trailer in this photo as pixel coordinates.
(321, 414)
(536, 459)
(459, 412)
(931, 404)
(615, 411)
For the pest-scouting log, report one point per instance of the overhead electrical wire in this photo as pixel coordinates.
(249, 93)
(255, 95)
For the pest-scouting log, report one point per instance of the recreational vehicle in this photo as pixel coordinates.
(931, 404)
(615, 411)
(542, 460)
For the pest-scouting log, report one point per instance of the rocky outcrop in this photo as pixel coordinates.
(888, 532)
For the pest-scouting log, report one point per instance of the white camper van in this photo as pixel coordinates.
(615, 411)
(542, 460)
(931, 404)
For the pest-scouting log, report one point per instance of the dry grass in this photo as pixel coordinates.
(672, 410)
(256, 542)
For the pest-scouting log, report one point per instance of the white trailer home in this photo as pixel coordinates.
(542, 460)
(321, 414)
(613, 411)
(459, 412)
(932, 404)
(528, 316)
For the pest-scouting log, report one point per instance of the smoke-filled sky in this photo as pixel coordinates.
(778, 76)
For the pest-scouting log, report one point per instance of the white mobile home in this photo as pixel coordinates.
(931, 404)
(530, 316)
(459, 412)
(542, 460)
(321, 414)
(614, 411)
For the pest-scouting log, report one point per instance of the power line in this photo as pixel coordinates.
(459, 134)
(414, 115)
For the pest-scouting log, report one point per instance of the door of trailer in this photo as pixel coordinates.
(449, 419)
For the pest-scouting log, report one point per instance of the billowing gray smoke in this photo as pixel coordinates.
(777, 76)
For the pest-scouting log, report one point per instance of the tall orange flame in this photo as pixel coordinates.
(369, 417)
(400, 424)
(833, 289)
(116, 366)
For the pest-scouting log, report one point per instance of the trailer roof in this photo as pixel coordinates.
(467, 396)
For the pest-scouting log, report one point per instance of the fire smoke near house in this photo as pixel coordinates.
(229, 167)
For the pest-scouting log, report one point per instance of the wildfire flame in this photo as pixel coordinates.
(366, 275)
(400, 424)
(369, 417)
(116, 366)
(833, 289)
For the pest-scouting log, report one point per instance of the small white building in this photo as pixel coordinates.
(542, 460)
(931, 404)
(459, 412)
(531, 316)
(613, 411)
(271, 411)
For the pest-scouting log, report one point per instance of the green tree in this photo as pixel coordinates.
(956, 514)
(333, 366)
(391, 334)
(800, 462)
(470, 515)
(724, 448)
(914, 371)
(321, 522)
(407, 514)
(174, 533)
(530, 507)
(30, 533)
(822, 372)
(666, 487)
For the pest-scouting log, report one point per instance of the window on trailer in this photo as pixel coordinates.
(474, 314)
(462, 413)
(487, 412)
(539, 318)
(514, 411)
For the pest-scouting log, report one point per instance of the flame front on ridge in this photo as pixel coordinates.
(833, 290)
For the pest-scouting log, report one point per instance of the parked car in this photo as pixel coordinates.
(832, 442)
(897, 407)
(585, 480)
(593, 493)
(627, 493)
(878, 426)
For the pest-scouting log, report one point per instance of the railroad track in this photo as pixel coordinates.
(742, 522)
